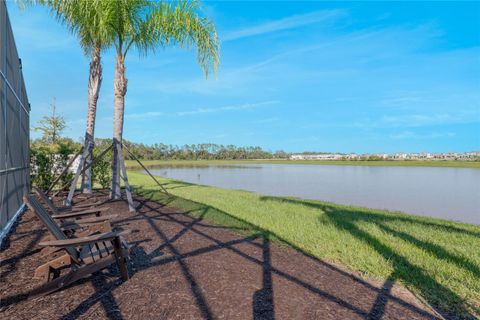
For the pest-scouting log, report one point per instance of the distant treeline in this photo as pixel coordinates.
(202, 151)
(48, 158)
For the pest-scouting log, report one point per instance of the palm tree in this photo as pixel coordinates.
(86, 19)
(147, 26)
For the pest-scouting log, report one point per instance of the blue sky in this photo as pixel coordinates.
(316, 76)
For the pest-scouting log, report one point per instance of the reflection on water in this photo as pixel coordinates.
(449, 193)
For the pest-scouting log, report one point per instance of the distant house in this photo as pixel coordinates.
(74, 166)
(385, 156)
(322, 156)
(400, 156)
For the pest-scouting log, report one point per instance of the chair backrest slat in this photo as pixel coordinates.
(50, 223)
(45, 199)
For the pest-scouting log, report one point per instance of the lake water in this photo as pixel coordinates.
(448, 193)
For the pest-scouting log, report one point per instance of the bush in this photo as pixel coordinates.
(47, 161)
(41, 168)
(101, 170)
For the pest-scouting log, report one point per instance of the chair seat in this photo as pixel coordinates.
(91, 253)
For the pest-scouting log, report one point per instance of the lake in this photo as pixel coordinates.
(447, 193)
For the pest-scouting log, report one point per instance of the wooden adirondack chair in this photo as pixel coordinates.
(84, 255)
(72, 214)
(74, 222)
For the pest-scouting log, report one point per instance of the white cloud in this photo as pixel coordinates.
(245, 106)
(413, 135)
(267, 120)
(153, 114)
(75, 122)
(422, 120)
(144, 115)
(284, 24)
(468, 116)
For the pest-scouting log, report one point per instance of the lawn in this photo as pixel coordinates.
(436, 259)
(400, 163)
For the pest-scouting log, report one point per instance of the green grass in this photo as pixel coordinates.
(438, 260)
(131, 164)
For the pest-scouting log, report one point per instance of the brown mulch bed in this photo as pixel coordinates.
(187, 268)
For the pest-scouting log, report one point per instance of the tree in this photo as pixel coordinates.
(147, 26)
(86, 19)
(50, 154)
(51, 126)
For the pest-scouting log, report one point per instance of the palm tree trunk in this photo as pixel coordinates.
(94, 83)
(120, 89)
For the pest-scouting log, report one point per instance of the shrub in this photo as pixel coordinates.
(41, 168)
(48, 160)
(101, 170)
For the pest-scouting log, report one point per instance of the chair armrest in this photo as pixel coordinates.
(87, 221)
(78, 213)
(84, 240)
(72, 226)
(84, 206)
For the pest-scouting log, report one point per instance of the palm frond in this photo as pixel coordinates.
(87, 19)
(179, 24)
(148, 26)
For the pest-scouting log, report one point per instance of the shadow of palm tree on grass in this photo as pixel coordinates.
(347, 220)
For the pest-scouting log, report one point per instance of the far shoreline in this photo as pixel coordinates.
(132, 164)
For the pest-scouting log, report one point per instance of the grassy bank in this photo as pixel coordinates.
(438, 260)
(131, 164)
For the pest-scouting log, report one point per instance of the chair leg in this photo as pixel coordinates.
(122, 266)
(72, 276)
